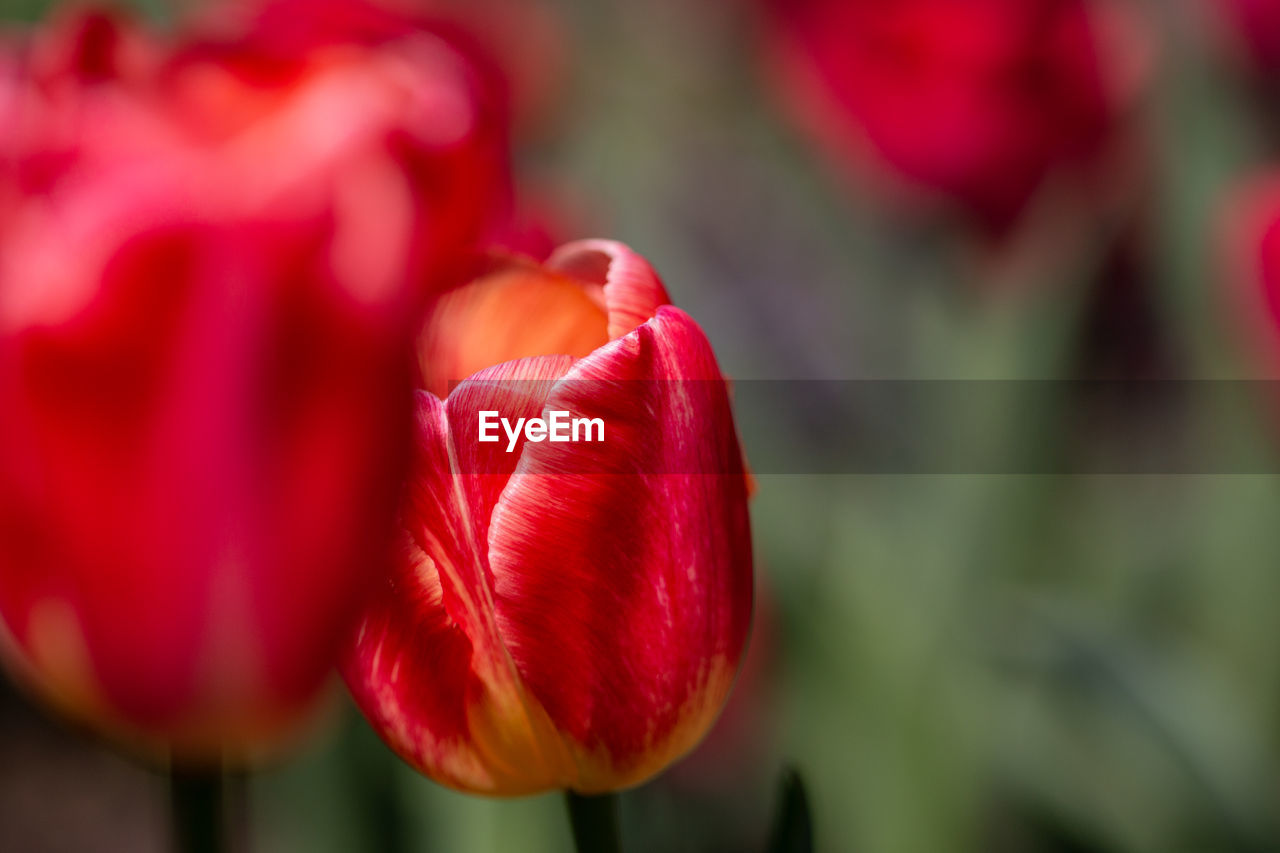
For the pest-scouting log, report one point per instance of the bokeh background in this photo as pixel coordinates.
(1051, 656)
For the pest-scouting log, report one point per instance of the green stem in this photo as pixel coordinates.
(198, 805)
(595, 822)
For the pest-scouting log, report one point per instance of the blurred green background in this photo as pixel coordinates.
(952, 662)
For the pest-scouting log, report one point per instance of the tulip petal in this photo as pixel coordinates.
(429, 666)
(624, 598)
(213, 249)
(517, 389)
(632, 290)
(410, 671)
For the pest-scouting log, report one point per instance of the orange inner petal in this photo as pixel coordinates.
(518, 311)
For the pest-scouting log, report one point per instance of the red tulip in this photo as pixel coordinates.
(209, 265)
(975, 102)
(442, 107)
(1258, 25)
(1251, 236)
(565, 615)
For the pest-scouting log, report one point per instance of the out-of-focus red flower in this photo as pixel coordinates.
(1251, 237)
(565, 615)
(443, 118)
(976, 102)
(521, 43)
(211, 264)
(1258, 24)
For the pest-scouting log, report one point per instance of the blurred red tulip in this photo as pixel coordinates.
(1258, 24)
(551, 625)
(975, 102)
(442, 107)
(1251, 236)
(521, 42)
(210, 264)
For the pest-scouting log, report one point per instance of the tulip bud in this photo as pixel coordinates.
(568, 615)
(210, 259)
(972, 102)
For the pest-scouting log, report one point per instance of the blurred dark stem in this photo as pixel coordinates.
(793, 825)
(595, 822)
(207, 808)
(374, 772)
